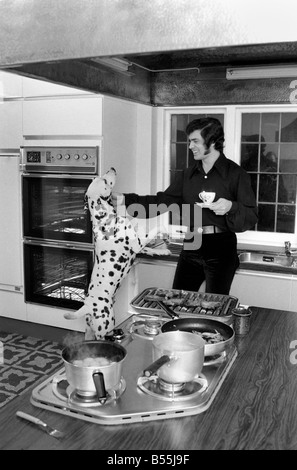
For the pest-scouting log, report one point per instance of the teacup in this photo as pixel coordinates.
(207, 197)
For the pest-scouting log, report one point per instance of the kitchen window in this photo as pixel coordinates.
(269, 154)
(263, 140)
(181, 156)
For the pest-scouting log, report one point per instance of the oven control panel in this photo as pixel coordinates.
(82, 160)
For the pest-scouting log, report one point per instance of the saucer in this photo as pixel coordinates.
(203, 204)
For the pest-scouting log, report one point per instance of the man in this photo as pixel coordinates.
(233, 209)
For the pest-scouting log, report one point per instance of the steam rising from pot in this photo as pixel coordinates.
(91, 353)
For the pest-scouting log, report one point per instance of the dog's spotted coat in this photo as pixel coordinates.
(116, 246)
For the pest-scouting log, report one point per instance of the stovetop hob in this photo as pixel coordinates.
(137, 399)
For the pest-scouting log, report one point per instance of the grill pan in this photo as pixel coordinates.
(186, 303)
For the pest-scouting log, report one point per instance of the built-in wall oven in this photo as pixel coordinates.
(57, 232)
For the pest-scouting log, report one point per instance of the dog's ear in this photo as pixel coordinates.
(110, 177)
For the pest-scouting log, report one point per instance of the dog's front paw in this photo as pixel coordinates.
(70, 316)
(156, 251)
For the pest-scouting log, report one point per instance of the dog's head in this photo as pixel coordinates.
(100, 189)
(102, 185)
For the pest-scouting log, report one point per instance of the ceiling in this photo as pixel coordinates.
(176, 47)
(248, 55)
(157, 78)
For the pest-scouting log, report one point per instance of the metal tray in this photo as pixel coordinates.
(186, 303)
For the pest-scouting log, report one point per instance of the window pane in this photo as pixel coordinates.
(182, 122)
(267, 188)
(268, 158)
(288, 127)
(249, 156)
(220, 117)
(270, 127)
(285, 219)
(173, 157)
(288, 158)
(287, 189)
(254, 183)
(181, 156)
(266, 217)
(250, 126)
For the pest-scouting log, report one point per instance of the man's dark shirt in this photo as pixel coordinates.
(227, 179)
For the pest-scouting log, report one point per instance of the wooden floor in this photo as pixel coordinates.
(33, 329)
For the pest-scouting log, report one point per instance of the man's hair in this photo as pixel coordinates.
(211, 131)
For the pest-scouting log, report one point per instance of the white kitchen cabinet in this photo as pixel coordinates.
(67, 117)
(11, 125)
(10, 227)
(262, 289)
(11, 274)
(155, 274)
(11, 85)
(39, 88)
(127, 291)
(51, 316)
(293, 304)
(258, 288)
(12, 305)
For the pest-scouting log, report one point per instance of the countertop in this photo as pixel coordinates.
(263, 267)
(256, 407)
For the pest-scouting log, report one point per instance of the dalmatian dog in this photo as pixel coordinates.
(117, 243)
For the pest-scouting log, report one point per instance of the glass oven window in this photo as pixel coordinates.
(57, 276)
(54, 208)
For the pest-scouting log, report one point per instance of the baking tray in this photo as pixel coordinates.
(186, 303)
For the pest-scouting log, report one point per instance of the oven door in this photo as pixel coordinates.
(56, 274)
(53, 207)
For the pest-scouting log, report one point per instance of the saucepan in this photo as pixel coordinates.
(217, 335)
(93, 367)
(178, 356)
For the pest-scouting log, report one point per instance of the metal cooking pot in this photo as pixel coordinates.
(204, 325)
(178, 356)
(94, 379)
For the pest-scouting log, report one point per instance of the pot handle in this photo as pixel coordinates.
(98, 379)
(150, 370)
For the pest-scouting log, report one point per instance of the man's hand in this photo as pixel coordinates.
(221, 206)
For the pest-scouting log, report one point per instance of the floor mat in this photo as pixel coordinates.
(26, 360)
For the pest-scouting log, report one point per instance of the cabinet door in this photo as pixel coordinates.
(11, 132)
(33, 87)
(10, 85)
(262, 289)
(10, 227)
(293, 305)
(62, 117)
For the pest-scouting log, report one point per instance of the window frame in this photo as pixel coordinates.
(232, 129)
(252, 237)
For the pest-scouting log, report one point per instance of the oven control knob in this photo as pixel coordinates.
(85, 157)
(59, 156)
(115, 335)
(67, 156)
(76, 156)
(118, 333)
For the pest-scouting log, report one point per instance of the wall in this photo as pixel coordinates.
(127, 143)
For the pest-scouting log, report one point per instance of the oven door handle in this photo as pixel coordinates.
(59, 244)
